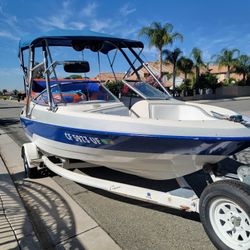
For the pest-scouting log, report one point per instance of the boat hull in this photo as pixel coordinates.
(146, 156)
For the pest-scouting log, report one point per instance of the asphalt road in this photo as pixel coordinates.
(132, 224)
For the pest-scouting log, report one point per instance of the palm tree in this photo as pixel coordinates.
(15, 92)
(226, 58)
(172, 57)
(185, 65)
(196, 54)
(4, 91)
(243, 66)
(159, 36)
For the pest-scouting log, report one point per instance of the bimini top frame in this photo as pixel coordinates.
(69, 37)
(79, 40)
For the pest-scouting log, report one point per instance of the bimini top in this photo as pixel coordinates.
(69, 37)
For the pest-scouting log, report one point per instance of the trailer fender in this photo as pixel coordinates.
(30, 151)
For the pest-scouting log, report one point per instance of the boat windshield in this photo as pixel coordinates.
(147, 91)
(76, 92)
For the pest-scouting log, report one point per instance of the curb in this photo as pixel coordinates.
(59, 222)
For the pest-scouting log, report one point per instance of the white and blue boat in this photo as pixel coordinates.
(71, 121)
(157, 137)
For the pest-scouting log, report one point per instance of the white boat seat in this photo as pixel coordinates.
(167, 111)
(140, 109)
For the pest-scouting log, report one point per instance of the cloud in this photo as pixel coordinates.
(100, 25)
(130, 31)
(150, 54)
(66, 18)
(6, 34)
(211, 43)
(78, 25)
(53, 22)
(60, 20)
(66, 4)
(89, 10)
(9, 25)
(126, 10)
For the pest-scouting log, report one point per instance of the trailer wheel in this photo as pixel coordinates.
(225, 214)
(30, 172)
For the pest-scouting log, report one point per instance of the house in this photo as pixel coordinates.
(167, 69)
(109, 76)
(221, 73)
(8, 93)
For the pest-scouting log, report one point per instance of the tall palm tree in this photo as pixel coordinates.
(185, 65)
(4, 91)
(159, 36)
(243, 66)
(227, 58)
(15, 91)
(172, 57)
(196, 54)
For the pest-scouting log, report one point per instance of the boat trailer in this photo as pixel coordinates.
(224, 204)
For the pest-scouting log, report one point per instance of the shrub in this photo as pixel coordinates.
(207, 81)
(114, 87)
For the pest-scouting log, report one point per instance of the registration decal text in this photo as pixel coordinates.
(82, 139)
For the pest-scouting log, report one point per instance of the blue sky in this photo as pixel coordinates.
(210, 25)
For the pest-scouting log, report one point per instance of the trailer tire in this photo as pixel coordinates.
(225, 214)
(30, 172)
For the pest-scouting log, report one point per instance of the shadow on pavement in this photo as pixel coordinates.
(14, 225)
(13, 128)
(11, 107)
(9, 121)
(50, 214)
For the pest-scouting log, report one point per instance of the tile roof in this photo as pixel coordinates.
(167, 68)
(105, 76)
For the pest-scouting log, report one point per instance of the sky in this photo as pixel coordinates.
(209, 25)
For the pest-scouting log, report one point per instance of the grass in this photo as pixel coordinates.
(4, 97)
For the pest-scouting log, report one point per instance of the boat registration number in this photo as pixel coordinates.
(82, 139)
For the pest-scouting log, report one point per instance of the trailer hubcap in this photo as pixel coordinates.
(236, 221)
(231, 223)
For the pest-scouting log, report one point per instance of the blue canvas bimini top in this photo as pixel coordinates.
(66, 37)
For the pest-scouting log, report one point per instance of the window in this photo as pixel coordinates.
(147, 91)
(76, 92)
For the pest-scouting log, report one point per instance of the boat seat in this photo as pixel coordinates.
(140, 109)
(167, 111)
(177, 112)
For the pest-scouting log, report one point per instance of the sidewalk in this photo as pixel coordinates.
(223, 99)
(16, 230)
(207, 98)
(57, 220)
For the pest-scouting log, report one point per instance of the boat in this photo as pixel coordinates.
(158, 137)
(146, 133)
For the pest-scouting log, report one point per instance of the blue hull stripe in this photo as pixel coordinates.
(184, 145)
